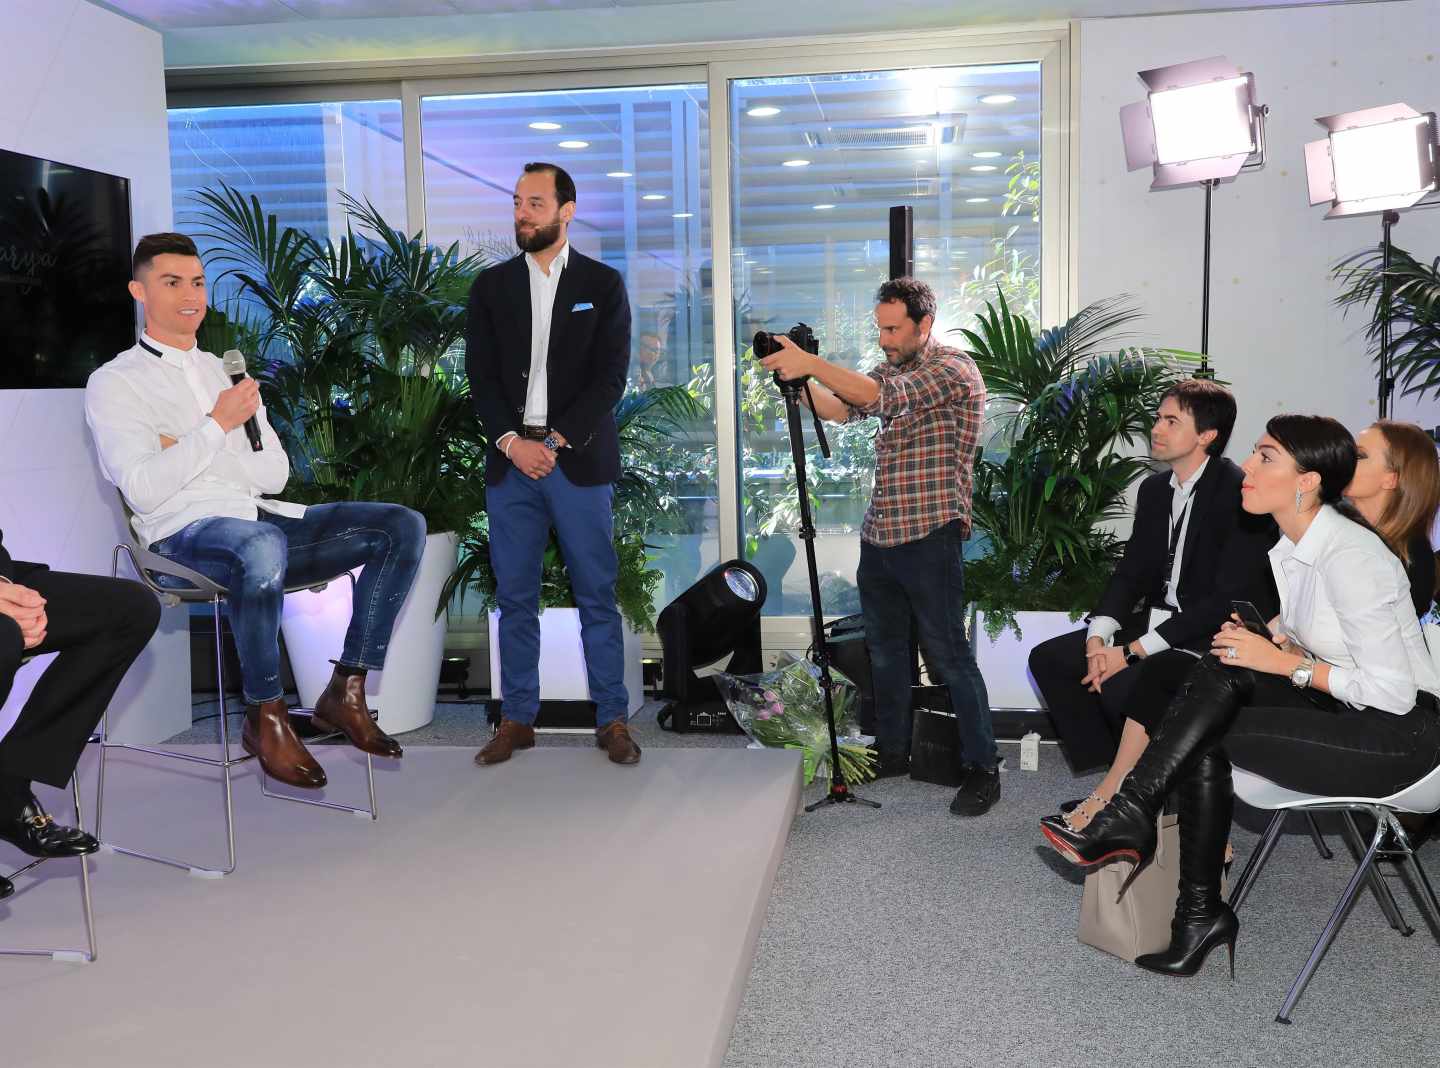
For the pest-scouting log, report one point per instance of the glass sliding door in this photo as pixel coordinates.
(640, 157)
(816, 162)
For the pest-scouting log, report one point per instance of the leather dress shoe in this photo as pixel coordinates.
(1067, 807)
(32, 830)
(615, 739)
(342, 708)
(270, 738)
(509, 737)
(6, 888)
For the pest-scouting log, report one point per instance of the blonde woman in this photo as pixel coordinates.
(1397, 489)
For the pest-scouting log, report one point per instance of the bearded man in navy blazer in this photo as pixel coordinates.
(547, 349)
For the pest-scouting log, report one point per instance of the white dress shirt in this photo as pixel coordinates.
(1345, 597)
(542, 312)
(1181, 493)
(135, 398)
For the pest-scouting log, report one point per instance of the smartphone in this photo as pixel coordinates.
(1251, 619)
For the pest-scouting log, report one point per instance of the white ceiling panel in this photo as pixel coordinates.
(191, 14)
(372, 9)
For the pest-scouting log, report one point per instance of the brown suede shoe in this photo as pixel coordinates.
(342, 708)
(510, 737)
(269, 737)
(615, 739)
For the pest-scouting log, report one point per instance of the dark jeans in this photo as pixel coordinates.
(98, 626)
(256, 559)
(924, 580)
(522, 511)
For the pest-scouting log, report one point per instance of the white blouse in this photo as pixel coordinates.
(1345, 597)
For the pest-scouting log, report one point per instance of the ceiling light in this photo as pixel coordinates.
(997, 98)
(988, 154)
(796, 163)
(683, 215)
(544, 126)
(977, 200)
(653, 196)
(824, 207)
(984, 168)
(764, 111)
(618, 174)
(574, 144)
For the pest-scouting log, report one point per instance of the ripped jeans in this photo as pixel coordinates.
(255, 559)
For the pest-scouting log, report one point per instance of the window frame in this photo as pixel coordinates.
(1051, 45)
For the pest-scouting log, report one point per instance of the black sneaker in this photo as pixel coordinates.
(979, 790)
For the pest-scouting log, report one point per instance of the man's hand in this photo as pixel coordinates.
(1102, 662)
(166, 441)
(791, 362)
(27, 608)
(532, 458)
(236, 404)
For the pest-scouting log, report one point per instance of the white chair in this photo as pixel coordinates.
(1389, 840)
(146, 565)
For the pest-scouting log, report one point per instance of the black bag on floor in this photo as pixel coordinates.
(934, 738)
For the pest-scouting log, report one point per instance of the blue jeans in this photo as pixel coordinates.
(255, 559)
(925, 579)
(522, 511)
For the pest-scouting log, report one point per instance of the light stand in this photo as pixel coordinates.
(1199, 122)
(839, 792)
(1384, 160)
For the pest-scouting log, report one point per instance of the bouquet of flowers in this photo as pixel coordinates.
(785, 709)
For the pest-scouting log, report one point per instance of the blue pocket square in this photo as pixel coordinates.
(584, 305)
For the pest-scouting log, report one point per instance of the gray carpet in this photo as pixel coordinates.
(910, 937)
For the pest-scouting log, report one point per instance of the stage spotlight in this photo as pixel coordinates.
(716, 617)
(1198, 123)
(1382, 160)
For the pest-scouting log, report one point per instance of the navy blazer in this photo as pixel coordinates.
(1224, 557)
(586, 364)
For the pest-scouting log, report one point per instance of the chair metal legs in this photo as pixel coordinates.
(1378, 886)
(1257, 861)
(224, 762)
(1318, 838)
(75, 956)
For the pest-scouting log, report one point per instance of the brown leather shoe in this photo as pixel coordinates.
(342, 708)
(615, 739)
(510, 737)
(269, 737)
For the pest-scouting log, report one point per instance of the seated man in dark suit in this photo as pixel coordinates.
(98, 626)
(1191, 551)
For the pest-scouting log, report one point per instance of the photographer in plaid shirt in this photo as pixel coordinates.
(930, 401)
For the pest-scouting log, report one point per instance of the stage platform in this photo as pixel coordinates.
(557, 910)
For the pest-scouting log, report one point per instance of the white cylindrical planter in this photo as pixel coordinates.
(562, 659)
(403, 694)
(1005, 662)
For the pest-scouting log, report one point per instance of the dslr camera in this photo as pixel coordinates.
(804, 338)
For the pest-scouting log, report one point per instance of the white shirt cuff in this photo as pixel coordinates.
(1103, 627)
(1152, 643)
(213, 431)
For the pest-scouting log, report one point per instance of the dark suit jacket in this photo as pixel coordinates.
(1223, 558)
(586, 364)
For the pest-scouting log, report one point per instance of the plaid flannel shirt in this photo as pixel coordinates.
(931, 411)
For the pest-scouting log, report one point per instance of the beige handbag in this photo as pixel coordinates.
(1139, 922)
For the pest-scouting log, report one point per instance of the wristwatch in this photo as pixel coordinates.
(1132, 657)
(1303, 673)
(551, 442)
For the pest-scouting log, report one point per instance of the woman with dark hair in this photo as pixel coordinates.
(1338, 699)
(1397, 489)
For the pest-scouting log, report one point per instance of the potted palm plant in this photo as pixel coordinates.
(1069, 415)
(1411, 310)
(359, 344)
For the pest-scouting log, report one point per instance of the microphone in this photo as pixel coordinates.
(234, 364)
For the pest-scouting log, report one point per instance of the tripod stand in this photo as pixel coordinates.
(839, 793)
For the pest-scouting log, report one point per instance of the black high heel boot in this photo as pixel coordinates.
(1202, 921)
(1195, 721)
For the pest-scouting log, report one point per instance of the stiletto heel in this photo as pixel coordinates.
(1230, 945)
(1140, 866)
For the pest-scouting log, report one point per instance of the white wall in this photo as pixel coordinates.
(1274, 331)
(87, 87)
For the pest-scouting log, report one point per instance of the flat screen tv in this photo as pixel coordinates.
(64, 263)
